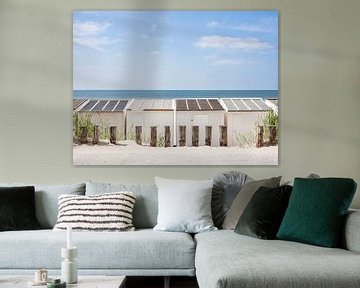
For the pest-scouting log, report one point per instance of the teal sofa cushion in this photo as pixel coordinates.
(143, 250)
(316, 211)
(224, 259)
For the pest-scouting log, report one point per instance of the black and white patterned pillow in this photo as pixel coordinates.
(105, 212)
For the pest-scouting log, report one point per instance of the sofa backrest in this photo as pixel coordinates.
(146, 203)
(46, 200)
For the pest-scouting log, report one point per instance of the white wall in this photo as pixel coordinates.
(243, 124)
(107, 119)
(201, 119)
(147, 119)
(319, 90)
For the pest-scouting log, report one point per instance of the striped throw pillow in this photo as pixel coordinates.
(105, 212)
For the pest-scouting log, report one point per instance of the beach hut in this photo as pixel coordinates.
(199, 122)
(243, 115)
(151, 121)
(273, 103)
(105, 113)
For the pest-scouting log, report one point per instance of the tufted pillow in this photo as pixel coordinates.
(225, 189)
(105, 212)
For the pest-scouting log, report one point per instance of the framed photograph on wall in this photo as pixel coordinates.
(175, 88)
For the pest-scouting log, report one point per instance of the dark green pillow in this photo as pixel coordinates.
(17, 208)
(316, 211)
(264, 212)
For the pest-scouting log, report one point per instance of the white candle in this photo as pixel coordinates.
(69, 239)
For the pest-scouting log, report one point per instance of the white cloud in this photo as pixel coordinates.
(144, 36)
(155, 52)
(216, 61)
(89, 28)
(223, 42)
(97, 43)
(251, 28)
(91, 34)
(213, 24)
(225, 62)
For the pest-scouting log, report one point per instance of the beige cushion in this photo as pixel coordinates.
(243, 198)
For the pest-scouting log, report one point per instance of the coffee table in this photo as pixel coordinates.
(83, 282)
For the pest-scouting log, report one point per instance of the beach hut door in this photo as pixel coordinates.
(223, 135)
(182, 135)
(195, 136)
(208, 135)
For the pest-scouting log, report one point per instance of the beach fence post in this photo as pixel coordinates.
(223, 135)
(272, 135)
(208, 135)
(96, 135)
(182, 135)
(259, 136)
(83, 134)
(138, 131)
(153, 136)
(113, 134)
(195, 136)
(167, 136)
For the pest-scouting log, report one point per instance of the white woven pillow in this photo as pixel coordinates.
(105, 212)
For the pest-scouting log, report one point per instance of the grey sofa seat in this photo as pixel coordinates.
(225, 259)
(142, 252)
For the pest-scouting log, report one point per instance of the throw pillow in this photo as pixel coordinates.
(311, 176)
(263, 215)
(146, 205)
(106, 212)
(226, 187)
(46, 200)
(316, 211)
(17, 209)
(184, 205)
(243, 198)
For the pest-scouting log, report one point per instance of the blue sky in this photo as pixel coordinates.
(210, 50)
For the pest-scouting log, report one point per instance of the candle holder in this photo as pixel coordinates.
(68, 265)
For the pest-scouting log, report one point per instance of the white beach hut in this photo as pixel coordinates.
(104, 113)
(199, 122)
(243, 115)
(151, 115)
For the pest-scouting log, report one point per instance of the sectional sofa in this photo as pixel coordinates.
(218, 259)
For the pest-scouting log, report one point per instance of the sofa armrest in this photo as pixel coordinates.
(351, 233)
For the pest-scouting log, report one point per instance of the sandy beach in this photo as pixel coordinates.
(129, 153)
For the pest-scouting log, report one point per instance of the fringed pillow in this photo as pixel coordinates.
(105, 212)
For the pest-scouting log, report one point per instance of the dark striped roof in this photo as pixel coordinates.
(198, 105)
(87, 105)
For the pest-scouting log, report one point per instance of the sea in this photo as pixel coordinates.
(172, 94)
